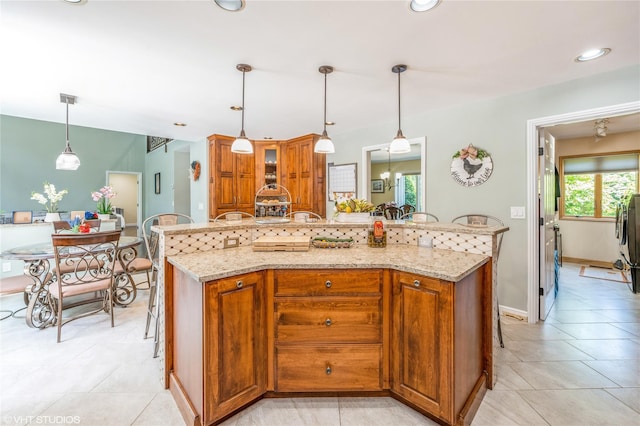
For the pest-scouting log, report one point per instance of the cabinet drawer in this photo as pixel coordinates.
(328, 368)
(336, 320)
(327, 282)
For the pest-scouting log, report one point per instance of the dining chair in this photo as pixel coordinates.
(89, 261)
(14, 285)
(483, 220)
(407, 208)
(151, 240)
(392, 213)
(304, 216)
(420, 217)
(235, 214)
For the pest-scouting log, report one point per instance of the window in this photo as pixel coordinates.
(409, 188)
(593, 186)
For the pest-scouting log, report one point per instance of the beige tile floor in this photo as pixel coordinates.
(580, 367)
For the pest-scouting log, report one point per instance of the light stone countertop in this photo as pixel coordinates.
(251, 224)
(436, 263)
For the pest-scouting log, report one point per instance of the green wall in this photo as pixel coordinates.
(28, 152)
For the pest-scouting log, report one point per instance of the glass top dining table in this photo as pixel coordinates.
(38, 266)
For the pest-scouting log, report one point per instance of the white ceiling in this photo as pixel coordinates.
(139, 66)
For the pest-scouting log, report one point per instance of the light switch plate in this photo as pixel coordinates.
(6, 267)
(517, 212)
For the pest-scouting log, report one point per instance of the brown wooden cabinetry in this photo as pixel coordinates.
(329, 331)
(232, 178)
(425, 341)
(304, 175)
(219, 344)
(439, 359)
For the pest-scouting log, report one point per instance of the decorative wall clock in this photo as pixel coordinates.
(471, 166)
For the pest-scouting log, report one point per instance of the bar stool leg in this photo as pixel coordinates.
(500, 328)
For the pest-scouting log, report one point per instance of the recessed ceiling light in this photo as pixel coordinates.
(231, 5)
(179, 124)
(423, 5)
(236, 107)
(75, 1)
(592, 54)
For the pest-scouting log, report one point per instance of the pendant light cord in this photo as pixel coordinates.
(67, 127)
(242, 127)
(399, 124)
(325, 103)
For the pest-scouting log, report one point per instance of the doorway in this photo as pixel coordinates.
(535, 127)
(419, 145)
(129, 199)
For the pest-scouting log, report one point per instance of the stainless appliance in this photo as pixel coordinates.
(628, 234)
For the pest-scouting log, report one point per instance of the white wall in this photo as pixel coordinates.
(499, 127)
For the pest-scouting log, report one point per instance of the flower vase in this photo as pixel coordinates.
(103, 216)
(52, 217)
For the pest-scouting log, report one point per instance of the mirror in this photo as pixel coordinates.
(411, 166)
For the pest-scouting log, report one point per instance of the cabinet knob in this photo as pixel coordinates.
(328, 370)
(327, 322)
(239, 284)
(327, 284)
(416, 283)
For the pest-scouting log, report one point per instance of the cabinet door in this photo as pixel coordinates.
(225, 168)
(305, 180)
(234, 344)
(293, 173)
(421, 342)
(245, 182)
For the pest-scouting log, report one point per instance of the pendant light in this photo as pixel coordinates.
(242, 145)
(67, 160)
(400, 144)
(324, 144)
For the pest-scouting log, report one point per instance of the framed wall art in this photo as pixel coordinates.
(377, 185)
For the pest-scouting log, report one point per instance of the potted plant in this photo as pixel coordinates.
(103, 197)
(50, 202)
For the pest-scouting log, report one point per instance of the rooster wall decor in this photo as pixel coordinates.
(471, 166)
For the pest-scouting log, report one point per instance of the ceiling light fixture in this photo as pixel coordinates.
(324, 144)
(231, 5)
(67, 160)
(592, 54)
(386, 175)
(242, 145)
(423, 5)
(179, 124)
(400, 144)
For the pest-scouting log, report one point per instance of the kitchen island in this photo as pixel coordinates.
(411, 322)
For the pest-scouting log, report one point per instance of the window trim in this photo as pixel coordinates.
(597, 183)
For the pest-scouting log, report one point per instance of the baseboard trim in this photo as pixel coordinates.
(513, 313)
(598, 263)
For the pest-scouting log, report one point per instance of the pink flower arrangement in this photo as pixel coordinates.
(103, 197)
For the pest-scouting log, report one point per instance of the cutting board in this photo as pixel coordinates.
(281, 243)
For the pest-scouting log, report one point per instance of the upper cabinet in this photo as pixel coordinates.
(235, 178)
(232, 178)
(304, 175)
(268, 163)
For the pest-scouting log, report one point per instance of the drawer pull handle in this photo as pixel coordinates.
(416, 283)
(327, 322)
(239, 284)
(328, 370)
(327, 284)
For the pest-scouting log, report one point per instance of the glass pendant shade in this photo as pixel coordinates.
(67, 160)
(324, 145)
(399, 145)
(242, 145)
